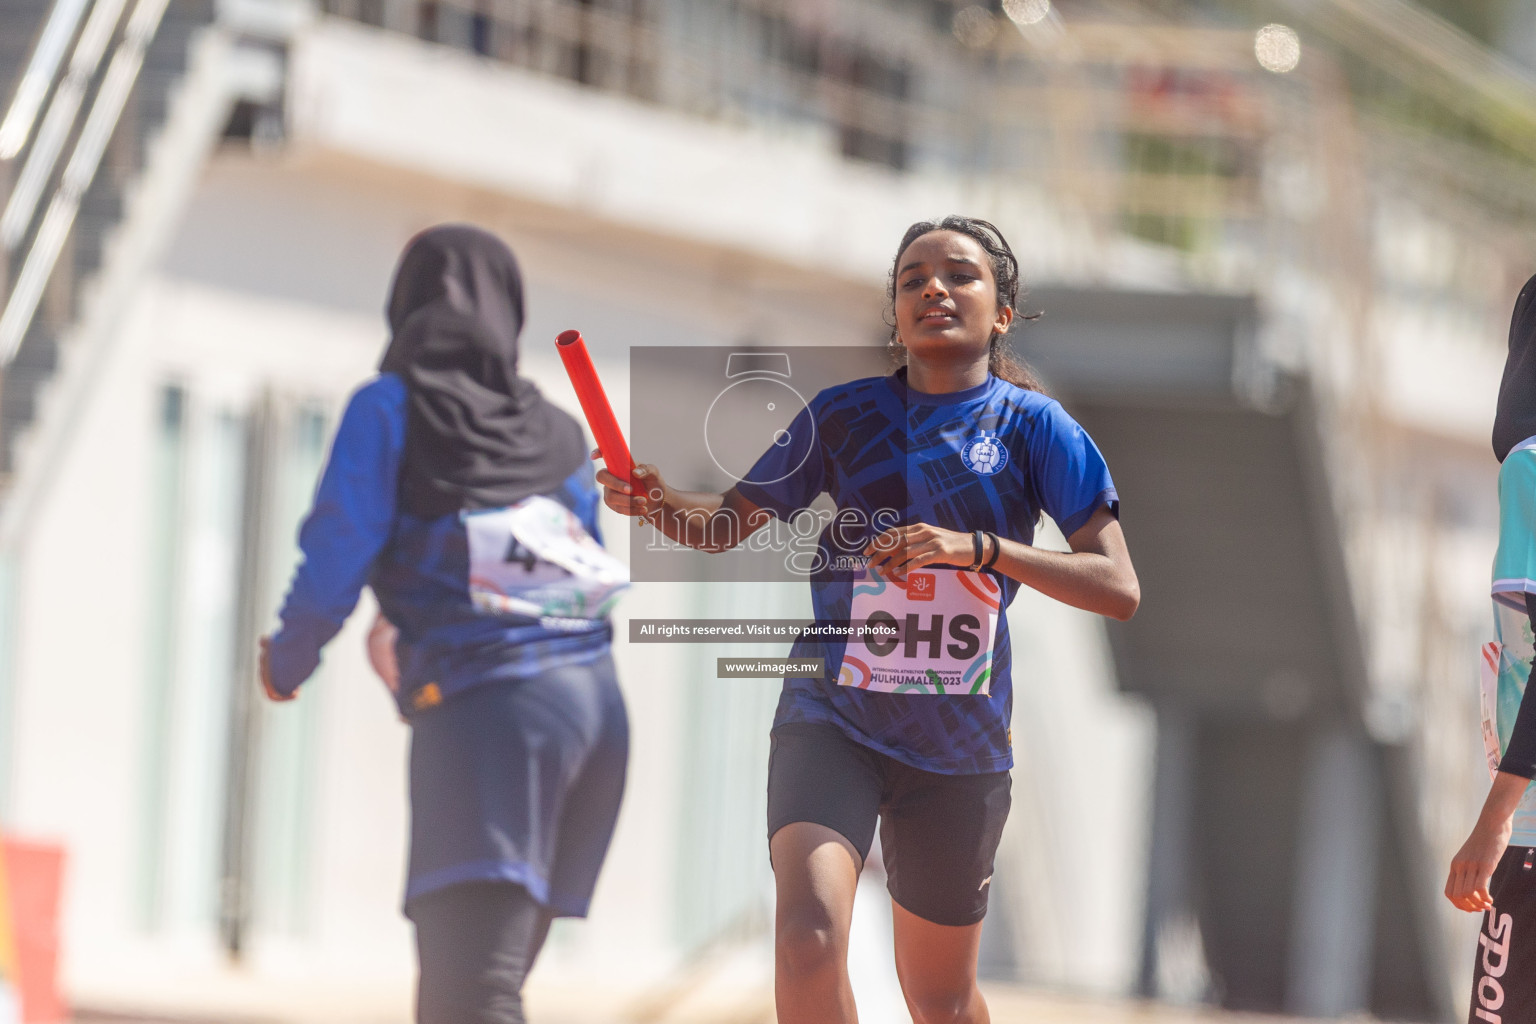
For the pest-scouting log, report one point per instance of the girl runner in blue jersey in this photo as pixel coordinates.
(940, 473)
(465, 501)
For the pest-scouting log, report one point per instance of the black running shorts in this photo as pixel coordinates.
(938, 833)
(1504, 978)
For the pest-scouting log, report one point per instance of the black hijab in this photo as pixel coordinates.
(1515, 418)
(477, 434)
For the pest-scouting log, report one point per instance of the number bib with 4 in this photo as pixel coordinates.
(534, 559)
(930, 633)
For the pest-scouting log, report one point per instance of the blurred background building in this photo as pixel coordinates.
(1275, 243)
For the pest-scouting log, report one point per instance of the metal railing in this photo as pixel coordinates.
(38, 263)
(1131, 122)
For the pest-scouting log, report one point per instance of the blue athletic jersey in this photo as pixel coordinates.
(993, 458)
(420, 570)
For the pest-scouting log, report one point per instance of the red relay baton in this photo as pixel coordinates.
(594, 405)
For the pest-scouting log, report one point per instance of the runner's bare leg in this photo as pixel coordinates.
(816, 872)
(937, 967)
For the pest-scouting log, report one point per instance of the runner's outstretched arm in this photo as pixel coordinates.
(701, 520)
(1466, 885)
(1096, 575)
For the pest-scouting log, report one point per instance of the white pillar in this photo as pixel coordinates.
(1334, 906)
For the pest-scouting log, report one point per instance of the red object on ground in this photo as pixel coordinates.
(594, 405)
(34, 875)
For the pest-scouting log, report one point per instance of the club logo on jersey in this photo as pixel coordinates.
(984, 454)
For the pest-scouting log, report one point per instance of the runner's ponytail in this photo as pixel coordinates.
(1002, 363)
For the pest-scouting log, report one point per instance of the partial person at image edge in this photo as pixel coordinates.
(1494, 872)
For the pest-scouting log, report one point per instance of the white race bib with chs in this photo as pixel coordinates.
(535, 559)
(945, 625)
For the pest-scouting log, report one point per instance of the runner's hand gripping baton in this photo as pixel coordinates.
(594, 405)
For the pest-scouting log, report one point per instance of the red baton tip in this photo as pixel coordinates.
(594, 405)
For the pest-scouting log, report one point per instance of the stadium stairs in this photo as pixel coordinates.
(198, 68)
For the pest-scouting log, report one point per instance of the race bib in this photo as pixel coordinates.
(1488, 690)
(535, 560)
(930, 633)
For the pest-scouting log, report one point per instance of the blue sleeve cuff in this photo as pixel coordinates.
(1107, 498)
(292, 659)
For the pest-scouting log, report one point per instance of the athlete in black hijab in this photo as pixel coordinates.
(477, 435)
(1514, 421)
(1493, 867)
(466, 502)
